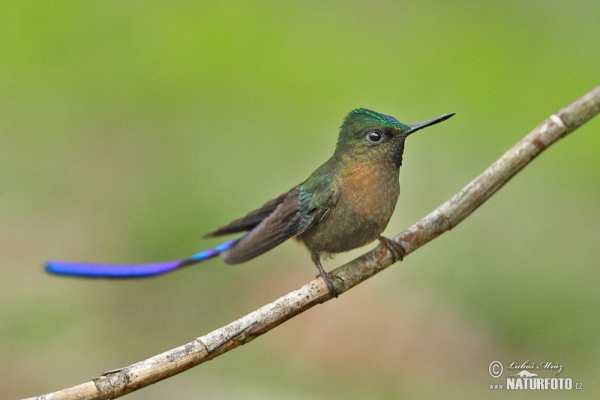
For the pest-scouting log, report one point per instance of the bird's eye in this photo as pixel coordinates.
(374, 137)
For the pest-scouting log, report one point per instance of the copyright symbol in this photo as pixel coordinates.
(496, 369)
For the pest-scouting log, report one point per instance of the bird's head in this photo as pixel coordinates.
(368, 134)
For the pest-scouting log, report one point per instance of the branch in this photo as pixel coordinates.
(119, 382)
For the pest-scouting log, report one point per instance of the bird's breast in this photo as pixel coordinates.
(370, 192)
(367, 196)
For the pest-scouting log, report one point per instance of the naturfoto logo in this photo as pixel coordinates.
(526, 379)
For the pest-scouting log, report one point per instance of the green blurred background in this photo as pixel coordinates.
(129, 129)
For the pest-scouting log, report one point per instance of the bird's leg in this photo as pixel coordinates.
(394, 247)
(325, 275)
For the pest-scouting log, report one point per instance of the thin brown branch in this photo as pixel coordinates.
(117, 383)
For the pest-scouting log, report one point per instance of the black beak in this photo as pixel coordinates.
(424, 124)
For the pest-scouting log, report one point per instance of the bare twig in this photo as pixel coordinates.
(117, 383)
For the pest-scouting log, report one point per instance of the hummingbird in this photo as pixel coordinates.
(345, 204)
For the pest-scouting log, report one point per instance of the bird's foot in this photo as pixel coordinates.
(394, 247)
(328, 278)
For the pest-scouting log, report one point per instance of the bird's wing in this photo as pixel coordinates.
(301, 208)
(251, 220)
(316, 197)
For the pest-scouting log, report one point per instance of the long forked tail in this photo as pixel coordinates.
(133, 270)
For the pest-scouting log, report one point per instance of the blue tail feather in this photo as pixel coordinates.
(131, 270)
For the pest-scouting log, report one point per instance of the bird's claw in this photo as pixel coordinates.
(327, 277)
(394, 247)
(332, 289)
